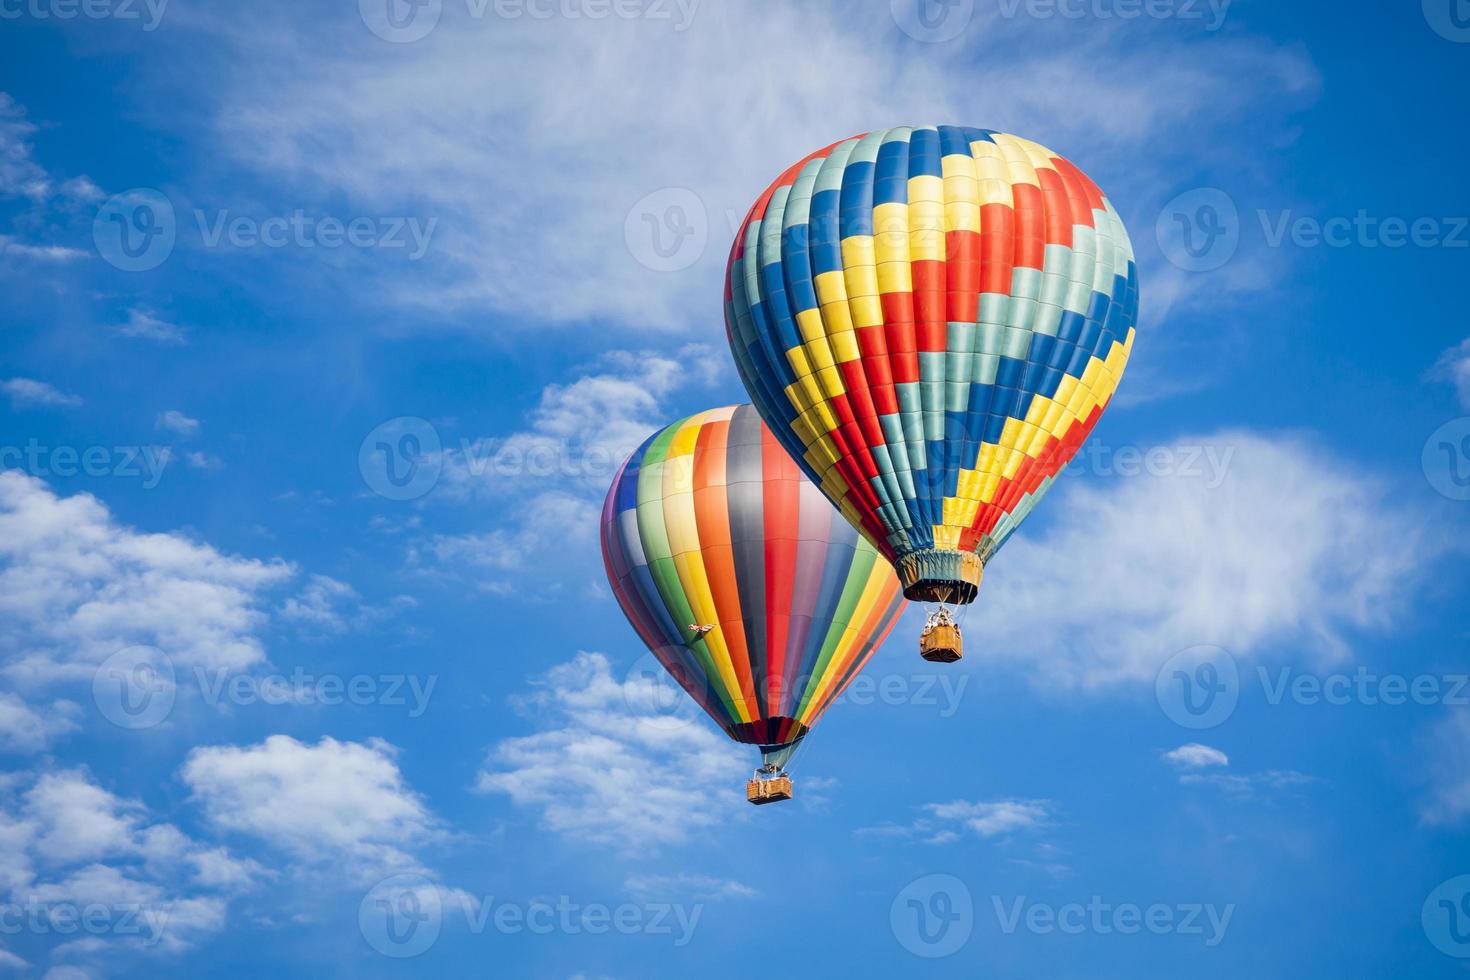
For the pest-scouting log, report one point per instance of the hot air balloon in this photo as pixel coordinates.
(746, 584)
(931, 320)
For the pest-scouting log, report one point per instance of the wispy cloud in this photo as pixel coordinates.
(1248, 785)
(607, 768)
(1286, 544)
(686, 887)
(1193, 755)
(178, 423)
(1454, 366)
(10, 245)
(29, 393)
(430, 129)
(145, 324)
(944, 823)
(1448, 761)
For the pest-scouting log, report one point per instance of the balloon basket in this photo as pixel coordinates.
(771, 789)
(940, 643)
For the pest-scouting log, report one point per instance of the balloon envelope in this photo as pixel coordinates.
(932, 320)
(710, 523)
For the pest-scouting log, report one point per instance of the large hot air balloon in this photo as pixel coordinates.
(931, 320)
(743, 580)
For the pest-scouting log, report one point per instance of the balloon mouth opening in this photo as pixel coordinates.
(932, 575)
(775, 757)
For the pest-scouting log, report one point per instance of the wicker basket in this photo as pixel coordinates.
(941, 644)
(762, 791)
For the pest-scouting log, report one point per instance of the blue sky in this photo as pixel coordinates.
(267, 706)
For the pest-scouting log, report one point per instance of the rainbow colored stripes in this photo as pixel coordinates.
(711, 523)
(932, 320)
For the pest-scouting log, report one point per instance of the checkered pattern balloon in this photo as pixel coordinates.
(932, 320)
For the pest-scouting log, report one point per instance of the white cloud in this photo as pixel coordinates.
(433, 128)
(686, 887)
(609, 769)
(10, 245)
(76, 587)
(1448, 758)
(20, 175)
(69, 840)
(203, 461)
(342, 804)
(580, 432)
(548, 479)
(555, 533)
(144, 324)
(24, 729)
(1250, 785)
(1193, 755)
(178, 423)
(29, 393)
(1454, 366)
(944, 823)
(1289, 545)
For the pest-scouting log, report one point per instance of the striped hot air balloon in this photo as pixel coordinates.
(931, 320)
(746, 584)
